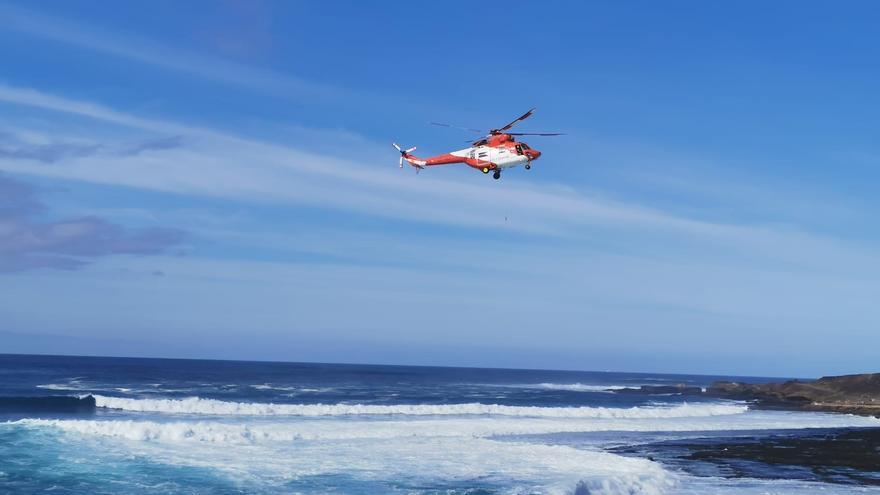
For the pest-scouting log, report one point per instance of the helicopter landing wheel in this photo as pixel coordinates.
(485, 170)
(496, 175)
(528, 166)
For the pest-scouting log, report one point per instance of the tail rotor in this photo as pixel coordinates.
(403, 153)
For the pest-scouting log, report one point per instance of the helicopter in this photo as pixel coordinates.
(497, 150)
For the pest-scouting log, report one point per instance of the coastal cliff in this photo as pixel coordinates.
(853, 394)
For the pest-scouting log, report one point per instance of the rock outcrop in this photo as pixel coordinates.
(51, 404)
(855, 394)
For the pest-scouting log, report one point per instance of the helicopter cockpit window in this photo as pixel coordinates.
(519, 149)
(525, 146)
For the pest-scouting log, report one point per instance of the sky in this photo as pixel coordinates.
(216, 180)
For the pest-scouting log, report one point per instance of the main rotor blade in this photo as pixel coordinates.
(535, 133)
(518, 119)
(478, 131)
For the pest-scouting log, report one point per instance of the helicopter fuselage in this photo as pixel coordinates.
(494, 153)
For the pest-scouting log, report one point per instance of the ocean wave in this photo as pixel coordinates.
(198, 405)
(77, 386)
(283, 430)
(577, 387)
(60, 386)
(275, 423)
(281, 451)
(285, 388)
(74, 384)
(272, 454)
(571, 387)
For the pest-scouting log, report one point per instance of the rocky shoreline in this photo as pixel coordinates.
(850, 394)
(840, 456)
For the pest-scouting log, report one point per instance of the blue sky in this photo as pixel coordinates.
(215, 179)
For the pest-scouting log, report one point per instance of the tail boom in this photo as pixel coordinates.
(463, 156)
(420, 163)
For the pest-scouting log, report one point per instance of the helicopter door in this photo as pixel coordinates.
(483, 155)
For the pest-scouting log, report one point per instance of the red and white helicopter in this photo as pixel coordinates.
(497, 151)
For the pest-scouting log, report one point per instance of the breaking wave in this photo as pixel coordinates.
(71, 384)
(274, 430)
(198, 405)
(578, 387)
(380, 454)
(59, 386)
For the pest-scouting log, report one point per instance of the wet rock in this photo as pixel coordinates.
(842, 456)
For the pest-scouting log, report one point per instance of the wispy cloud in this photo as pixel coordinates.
(27, 242)
(219, 164)
(208, 163)
(157, 144)
(52, 150)
(46, 153)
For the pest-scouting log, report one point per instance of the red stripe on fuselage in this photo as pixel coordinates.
(448, 159)
(444, 159)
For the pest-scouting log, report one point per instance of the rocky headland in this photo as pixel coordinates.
(852, 394)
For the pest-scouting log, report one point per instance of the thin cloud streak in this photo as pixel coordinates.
(564, 207)
(48, 149)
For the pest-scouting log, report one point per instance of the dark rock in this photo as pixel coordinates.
(846, 456)
(856, 394)
(47, 404)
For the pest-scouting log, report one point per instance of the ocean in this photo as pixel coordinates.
(223, 427)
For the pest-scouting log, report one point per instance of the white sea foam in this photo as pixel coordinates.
(71, 384)
(197, 405)
(286, 388)
(427, 450)
(578, 387)
(276, 429)
(515, 467)
(78, 386)
(59, 386)
(571, 387)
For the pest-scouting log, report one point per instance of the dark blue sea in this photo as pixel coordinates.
(75, 425)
